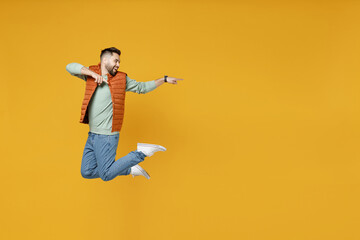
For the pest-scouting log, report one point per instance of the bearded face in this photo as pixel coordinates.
(112, 64)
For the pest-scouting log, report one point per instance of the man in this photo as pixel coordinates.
(103, 110)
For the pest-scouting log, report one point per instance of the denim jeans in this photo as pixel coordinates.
(98, 159)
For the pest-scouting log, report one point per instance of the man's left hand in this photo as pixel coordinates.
(173, 80)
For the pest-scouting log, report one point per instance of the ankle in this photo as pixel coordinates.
(141, 154)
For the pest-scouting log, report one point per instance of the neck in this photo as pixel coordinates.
(103, 70)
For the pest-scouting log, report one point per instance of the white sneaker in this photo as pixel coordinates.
(138, 171)
(149, 149)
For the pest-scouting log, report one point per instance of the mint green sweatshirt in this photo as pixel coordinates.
(100, 110)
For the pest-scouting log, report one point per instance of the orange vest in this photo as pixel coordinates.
(117, 85)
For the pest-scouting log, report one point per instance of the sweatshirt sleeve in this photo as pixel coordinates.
(75, 70)
(139, 87)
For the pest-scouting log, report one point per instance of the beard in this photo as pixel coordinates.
(111, 70)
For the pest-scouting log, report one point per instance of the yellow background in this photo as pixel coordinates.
(262, 135)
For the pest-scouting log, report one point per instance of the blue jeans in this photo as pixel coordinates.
(99, 158)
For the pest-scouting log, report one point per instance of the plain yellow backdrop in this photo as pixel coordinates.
(262, 135)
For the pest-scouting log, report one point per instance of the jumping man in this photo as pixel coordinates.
(103, 110)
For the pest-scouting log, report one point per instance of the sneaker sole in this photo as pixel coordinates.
(144, 172)
(152, 145)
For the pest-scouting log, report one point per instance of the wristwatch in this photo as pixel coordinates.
(165, 78)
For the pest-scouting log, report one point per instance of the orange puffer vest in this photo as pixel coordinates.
(117, 85)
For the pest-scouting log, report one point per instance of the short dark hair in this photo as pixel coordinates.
(109, 50)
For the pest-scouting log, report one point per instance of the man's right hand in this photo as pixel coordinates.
(98, 79)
